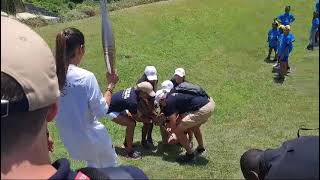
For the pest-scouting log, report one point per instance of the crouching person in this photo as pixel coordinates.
(198, 110)
(123, 110)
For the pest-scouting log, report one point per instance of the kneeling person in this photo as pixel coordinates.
(123, 110)
(198, 109)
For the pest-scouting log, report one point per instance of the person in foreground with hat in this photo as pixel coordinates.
(82, 104)
(29, 101)
(285, 48)
(147, 107)
(198, 110)
(295, 159)
(123, 110)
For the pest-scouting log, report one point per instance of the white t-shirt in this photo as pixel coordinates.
(81, 105)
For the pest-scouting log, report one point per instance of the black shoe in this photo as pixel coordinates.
(200, 151)
(145, 144)
(187, 158)
(310, 47)
(134, 154)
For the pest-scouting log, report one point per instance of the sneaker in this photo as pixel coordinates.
(186, 158)
(289, 70)
(310, 47)
(200, 151)
(276, 64)
(134, 154)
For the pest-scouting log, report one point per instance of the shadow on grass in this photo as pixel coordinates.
(168, 153)
(278, 80)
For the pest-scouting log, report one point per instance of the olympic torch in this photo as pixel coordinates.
(108, 43)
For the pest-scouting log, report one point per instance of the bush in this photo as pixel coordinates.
(35, 22)
(74, 14)
(69, 10)
(86, 9)
(71, 5)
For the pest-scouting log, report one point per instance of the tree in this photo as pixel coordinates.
(12, 6)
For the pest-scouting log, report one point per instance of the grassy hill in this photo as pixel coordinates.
(222, 46)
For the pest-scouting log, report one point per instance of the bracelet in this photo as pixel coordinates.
(109, 89)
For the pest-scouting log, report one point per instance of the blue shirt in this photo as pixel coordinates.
(181, 103)
(315, 23)
(279, 38)
(273, 35)
(284, 42)
(286, 18)
(124, 100)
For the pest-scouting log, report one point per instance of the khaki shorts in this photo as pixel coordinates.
(198, 117)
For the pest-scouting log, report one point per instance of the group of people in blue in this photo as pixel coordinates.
(280, 39)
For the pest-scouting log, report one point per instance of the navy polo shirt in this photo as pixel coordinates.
(124, 100)
(181, 103)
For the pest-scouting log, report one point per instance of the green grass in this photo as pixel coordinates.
(222, 46)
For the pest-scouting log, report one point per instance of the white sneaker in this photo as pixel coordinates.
(275, 65)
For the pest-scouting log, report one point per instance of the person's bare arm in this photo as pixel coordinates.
(112, 81)
(172, 121)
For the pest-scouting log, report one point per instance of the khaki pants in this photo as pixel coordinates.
(198, 117)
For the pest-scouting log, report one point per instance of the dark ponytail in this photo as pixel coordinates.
(66, 43)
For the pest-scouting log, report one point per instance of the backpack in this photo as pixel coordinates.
(193, 89)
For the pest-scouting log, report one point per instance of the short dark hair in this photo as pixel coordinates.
(288, 8)
(250, 161)
(19, 128)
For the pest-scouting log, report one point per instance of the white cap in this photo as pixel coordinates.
(160, 94)
(287, 27)
(151, 73)
(167, 85)
(180, 72)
